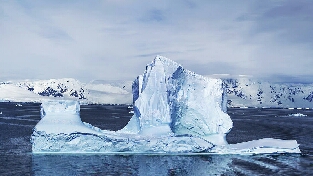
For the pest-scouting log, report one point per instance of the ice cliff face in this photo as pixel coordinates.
(171, 99)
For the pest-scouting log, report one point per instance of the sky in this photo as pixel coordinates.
(116, 39)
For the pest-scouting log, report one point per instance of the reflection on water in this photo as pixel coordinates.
(130, 164)
(72, 164)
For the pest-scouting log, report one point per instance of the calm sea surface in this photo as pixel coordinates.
(18, 120)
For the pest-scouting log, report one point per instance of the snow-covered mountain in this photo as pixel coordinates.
(109, 92)
(66, 88)
(242, 92)
(251, 93)
(96, 92)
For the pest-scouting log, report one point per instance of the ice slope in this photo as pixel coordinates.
(176, 111)
(252, 93)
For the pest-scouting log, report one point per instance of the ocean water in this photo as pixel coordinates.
(17, 121)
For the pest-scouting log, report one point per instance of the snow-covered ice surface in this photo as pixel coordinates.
(175, 111)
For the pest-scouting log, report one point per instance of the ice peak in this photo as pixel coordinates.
(164, 60)
(172, 66)
(164, 64)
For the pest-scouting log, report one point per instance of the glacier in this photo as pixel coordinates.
(175, 111)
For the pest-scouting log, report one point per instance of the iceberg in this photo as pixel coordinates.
(170, 100)
(61, 130)
(175, 111)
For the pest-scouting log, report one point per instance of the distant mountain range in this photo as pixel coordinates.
(241, 92)
(96, 92)
(251, 93)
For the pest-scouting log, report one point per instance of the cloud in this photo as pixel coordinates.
(291, 21)
(154, 15)
(116, 39)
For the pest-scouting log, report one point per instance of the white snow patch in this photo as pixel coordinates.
(298, 115)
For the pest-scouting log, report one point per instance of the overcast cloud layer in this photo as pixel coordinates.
(115, 39)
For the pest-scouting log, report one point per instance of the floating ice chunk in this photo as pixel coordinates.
(265, 145)
(298, 115)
